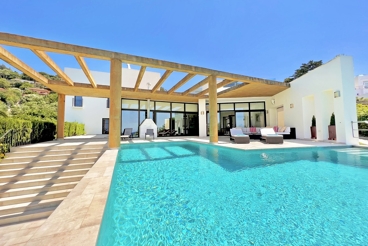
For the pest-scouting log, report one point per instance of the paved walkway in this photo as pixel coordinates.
(77, 219)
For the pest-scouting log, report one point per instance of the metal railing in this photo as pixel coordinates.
(357, 129)
(13, 138)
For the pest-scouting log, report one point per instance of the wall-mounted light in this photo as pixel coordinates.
(273, 101)
(336, 94)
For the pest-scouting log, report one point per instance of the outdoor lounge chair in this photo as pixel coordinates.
(127, 133)
(149, 132)
(164, 132)
(271, 137)
(238, 136)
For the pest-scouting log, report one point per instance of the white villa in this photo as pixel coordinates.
(361, 85)
(327, 89)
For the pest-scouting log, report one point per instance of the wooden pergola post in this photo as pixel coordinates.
(115, 103)
(212, 94)
(60, 116)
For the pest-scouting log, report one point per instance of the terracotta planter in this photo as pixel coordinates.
(313, 132)
(331, 132)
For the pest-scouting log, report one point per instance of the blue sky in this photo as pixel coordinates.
(265, 38)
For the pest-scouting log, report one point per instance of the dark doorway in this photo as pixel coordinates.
(105, 125)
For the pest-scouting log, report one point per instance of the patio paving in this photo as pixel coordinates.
(77, 219)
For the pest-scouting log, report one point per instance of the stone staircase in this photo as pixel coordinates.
(34, 180)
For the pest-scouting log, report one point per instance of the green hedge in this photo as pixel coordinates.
(22, 128)
(73, 129)
(42, 131)
(28, 131)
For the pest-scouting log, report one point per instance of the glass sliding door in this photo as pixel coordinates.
(177, 122)
(130, 120)
(257, 119)
(242, 119)
(191, 124)
(162, 120)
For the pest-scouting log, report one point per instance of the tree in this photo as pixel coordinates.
(304, 68)
(4, 83)
(25, 85)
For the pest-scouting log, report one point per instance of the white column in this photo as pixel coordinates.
(202, 117)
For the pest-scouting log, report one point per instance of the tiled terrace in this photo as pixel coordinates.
(77, 219)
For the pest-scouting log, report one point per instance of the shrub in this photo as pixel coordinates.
(313, 121)
(332, 120)
(73, 129)
(42, 131)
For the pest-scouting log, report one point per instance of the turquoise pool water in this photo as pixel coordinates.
(182, 193)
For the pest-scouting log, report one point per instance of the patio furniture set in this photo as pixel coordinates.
(266, 134)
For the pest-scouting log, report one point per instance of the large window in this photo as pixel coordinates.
(365, 84)
(130, 120)
(163, 106)
(171, 118)
(239, 114)
(78, 101)
(129, 104)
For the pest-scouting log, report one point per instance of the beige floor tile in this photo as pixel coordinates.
(96, 172)
(18, 240)
(95, 211)
(82, 237)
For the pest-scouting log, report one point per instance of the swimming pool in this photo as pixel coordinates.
(184, 193)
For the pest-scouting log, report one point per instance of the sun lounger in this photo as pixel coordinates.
(238, 136)
(271, 137)
(127, 133)
(164, 132)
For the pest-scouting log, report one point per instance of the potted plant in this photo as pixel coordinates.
(332, 128)
(313, 128)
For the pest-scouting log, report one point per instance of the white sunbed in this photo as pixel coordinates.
(238, 136)
(271, 137)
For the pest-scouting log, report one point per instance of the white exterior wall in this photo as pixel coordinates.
(361, 85)
(94, 109)
(313, 94)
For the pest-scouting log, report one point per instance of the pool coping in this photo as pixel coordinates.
(76, 221)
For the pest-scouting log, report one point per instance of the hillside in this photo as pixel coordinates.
(23, 98)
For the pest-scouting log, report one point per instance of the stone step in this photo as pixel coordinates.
(30, 207)
(36, 189)
(19, 165)
(39, 182)
(45, 146)
(33, 176)
(27, 215)
(36, 197)
(35, 153)
(50, 157)
(31, 169)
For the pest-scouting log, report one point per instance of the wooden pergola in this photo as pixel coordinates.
(249, 86)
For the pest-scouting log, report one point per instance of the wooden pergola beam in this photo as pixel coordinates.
(221, 84)
(103, 91)
(75, 50)
(49, 62)
(18, 64)
(181, 83)
(196, 86)
(161, 80)
(139, 78)
(86, 71)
